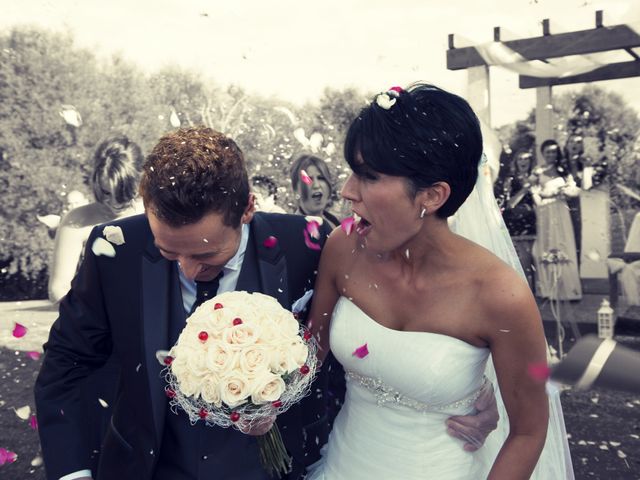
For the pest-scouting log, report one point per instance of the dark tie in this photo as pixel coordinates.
(206, 290)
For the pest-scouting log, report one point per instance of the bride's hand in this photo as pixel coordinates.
(474, 429)
(260, 427)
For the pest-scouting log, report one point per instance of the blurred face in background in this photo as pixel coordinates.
(550, 154)
(109, 197)
(523, 163)
(575, 145)
(314, 198)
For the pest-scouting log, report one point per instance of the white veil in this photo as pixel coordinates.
(480, 221)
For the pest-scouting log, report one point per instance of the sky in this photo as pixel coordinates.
(293, 49)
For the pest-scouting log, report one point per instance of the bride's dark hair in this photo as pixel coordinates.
(427, 135)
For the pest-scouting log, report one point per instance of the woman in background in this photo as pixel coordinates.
(316, 197)
(554, 250)
(117, 163)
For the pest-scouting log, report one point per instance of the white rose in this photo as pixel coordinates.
(197, 362)
(269, 332)
(210, 391)
(220, 358)
(190, 385)
(254, 359)
(267, 388)
(241, 335)
(179, 366)
(299, 352)
(282, 360)
(234, 390)
(288, 325)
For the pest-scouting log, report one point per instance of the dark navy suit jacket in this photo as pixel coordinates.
(120, 306)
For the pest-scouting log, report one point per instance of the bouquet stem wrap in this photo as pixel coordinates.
(273, 454)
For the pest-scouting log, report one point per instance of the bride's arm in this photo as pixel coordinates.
(517, 342)
(325, 294)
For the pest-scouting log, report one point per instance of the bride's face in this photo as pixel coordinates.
(390, 217)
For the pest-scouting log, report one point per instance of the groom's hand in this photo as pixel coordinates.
(474, 429)
(260, 427)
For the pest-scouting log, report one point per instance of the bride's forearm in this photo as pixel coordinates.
(518, 457)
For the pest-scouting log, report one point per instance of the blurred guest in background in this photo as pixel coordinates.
(519, 209)
(265, 191)
(554, 250)
(117, 162)
(313, 186)
(590, 210)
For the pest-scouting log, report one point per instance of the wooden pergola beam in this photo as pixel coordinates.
(582, 42)
(608, 72)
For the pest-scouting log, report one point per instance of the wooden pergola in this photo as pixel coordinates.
(617, 38)
(476, 60)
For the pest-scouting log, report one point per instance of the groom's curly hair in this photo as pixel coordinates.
(192, 172)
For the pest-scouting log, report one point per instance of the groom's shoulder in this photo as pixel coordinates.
(135, 229)
(283, 226)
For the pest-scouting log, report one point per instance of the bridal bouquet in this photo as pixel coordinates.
(240, 360)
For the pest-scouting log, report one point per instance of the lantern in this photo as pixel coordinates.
(605, 320)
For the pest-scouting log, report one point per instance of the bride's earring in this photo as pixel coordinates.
(424, 210)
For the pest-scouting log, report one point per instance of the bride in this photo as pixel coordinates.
(418, 315)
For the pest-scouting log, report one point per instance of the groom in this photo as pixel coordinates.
(199, 230)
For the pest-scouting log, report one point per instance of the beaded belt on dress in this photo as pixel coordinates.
(386, 394)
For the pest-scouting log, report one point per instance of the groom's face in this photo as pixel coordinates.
(201, 249)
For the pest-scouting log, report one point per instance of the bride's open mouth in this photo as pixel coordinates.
(363, 227)
(317, 196)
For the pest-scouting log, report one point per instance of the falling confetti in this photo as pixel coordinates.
(7, 456)
(270, 242)
(23, 413)
(313, 227)
(539, 371)
(34, 355)
(362, 351)
(305, 177)
(307, 241)
(102, 403)
(37, 461)
(347, 225)
(33, 422)
(102, 247)
(19, 330)
(113, 234)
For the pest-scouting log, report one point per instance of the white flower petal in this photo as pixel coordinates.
(23, 412)
(113, 234)
(102, 247)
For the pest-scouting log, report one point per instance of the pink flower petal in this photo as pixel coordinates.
(19, 331)
(308, 242)
(7, 456)
(270, 242)
(33, 422)
(305, 177)
(347, 225)
(361, 352)
(313, 228)
(34, 355)
(539, 371)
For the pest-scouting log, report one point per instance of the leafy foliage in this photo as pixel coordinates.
(43, 156)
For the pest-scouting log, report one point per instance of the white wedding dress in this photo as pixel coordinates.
(392, 423)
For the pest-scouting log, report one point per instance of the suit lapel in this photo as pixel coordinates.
(156, 297)
(264, 269)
